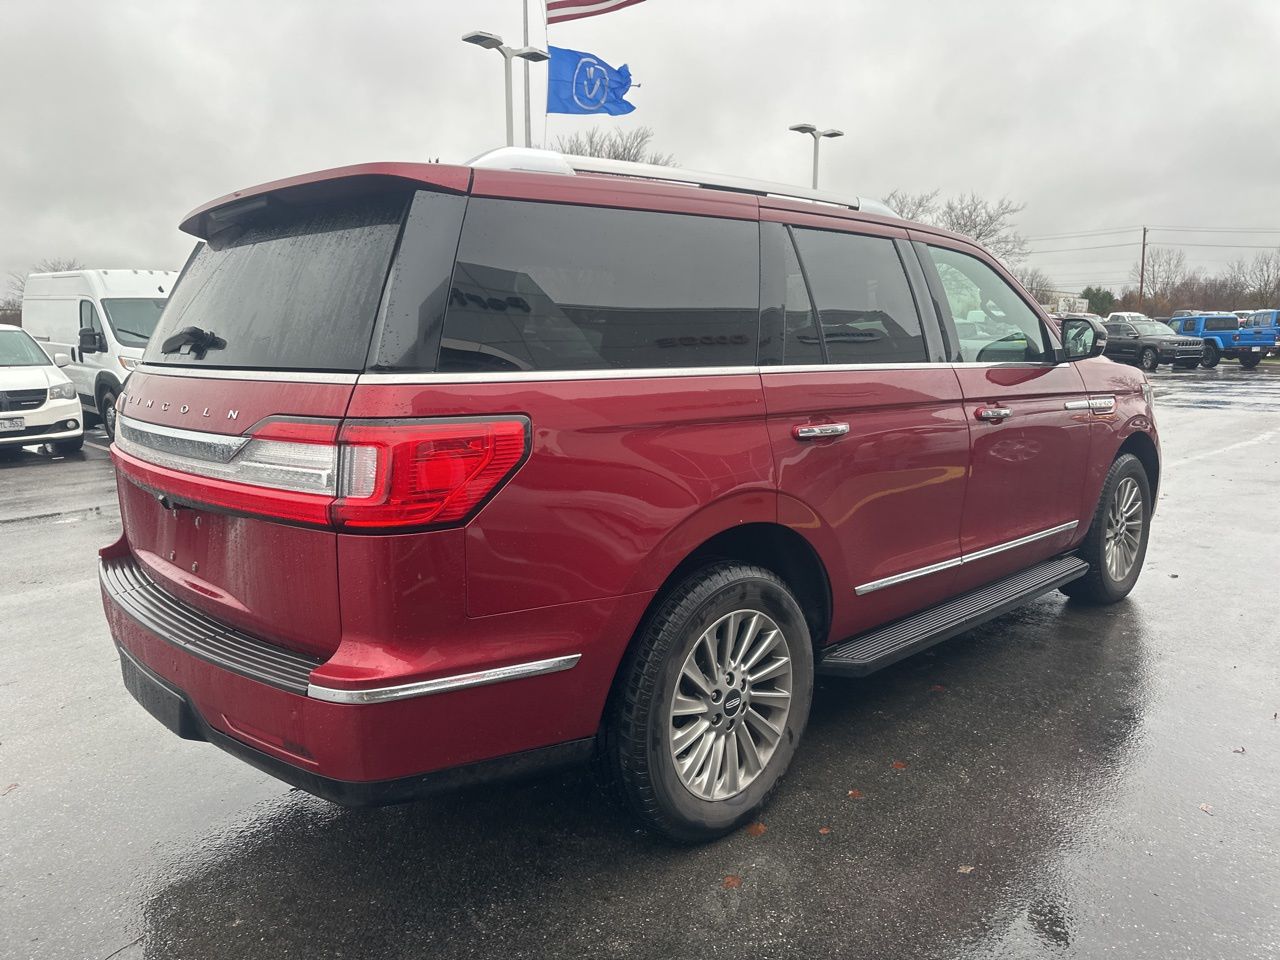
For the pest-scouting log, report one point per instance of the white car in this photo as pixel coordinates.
(38, 402)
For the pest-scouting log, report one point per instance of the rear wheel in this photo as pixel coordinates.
(1250, 360)
(1209, 359)
(1149, 360)
(713, 703)
(1116, 543)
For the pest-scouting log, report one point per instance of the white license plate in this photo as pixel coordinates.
(1256, 349)
(9, 424)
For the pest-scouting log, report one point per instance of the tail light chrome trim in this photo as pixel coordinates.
(461, 681)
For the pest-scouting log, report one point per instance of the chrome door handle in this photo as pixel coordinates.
(817, 431)
(993, 414)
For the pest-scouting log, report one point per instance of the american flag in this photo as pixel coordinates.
(560, 10)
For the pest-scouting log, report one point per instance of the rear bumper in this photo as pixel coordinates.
(256, 701)
(173, 708)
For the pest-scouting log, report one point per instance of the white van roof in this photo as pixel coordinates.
(100, 283)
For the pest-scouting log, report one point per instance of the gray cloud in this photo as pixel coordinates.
(119, 118)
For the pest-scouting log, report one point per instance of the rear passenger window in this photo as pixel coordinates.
(993, 323)
(864, 302)
(553, 287)
(802, 343)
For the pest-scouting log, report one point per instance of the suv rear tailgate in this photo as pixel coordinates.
(271, 579)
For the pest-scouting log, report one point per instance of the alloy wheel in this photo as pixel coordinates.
(1124, 529)
(730, 706)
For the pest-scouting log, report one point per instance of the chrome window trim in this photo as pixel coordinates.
(964, 558)
(293, 376)
(461, 681)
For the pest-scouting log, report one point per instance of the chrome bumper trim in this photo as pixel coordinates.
(897, 578)
(461, 681)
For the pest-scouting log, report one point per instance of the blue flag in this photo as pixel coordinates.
(581, 83)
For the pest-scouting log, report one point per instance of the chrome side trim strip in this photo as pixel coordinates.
(461, 681)
(177, 443)
(897, 578)
(291, 376)
(1076, 405)
(1020, 542)
(538, 376)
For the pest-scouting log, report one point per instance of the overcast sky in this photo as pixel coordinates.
(120, 117)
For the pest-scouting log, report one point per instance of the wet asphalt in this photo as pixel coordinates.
(1064, 782)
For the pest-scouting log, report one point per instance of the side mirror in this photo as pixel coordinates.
(1083, 338)
(61, 360)
(89, 340)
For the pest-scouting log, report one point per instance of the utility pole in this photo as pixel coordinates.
(1142, 267)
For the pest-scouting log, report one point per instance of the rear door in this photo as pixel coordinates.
(865, 420)
(264, 336)
(1029, 417)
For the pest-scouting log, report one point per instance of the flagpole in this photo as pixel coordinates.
(528, 125)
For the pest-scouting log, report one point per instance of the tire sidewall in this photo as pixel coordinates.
(703, 817)
(108, 403)
(1126, 467)
(1148, 354)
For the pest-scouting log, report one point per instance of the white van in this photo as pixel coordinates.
(102, 320)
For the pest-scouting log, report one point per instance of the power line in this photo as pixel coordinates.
(1100, 246)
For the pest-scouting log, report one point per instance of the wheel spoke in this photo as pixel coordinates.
(687, 706)
(694, 674)
(765, 641)
(766, 729)
(732, 765)
(772, 669)
(686, 736)
(750, 754)
(773, 699)
(697, 757)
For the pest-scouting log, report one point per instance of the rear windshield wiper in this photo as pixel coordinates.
(200, 342)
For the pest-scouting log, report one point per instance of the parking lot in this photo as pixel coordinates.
(1064, 781)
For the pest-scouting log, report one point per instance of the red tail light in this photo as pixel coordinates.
(411, 475)
(368, 475)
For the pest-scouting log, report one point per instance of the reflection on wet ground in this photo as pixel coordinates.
(1065, 781)
(1224, 387)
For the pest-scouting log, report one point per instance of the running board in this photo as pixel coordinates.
(862, 655)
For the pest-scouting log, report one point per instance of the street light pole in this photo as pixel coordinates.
(528, 123)
(491, 41)
(817, 135)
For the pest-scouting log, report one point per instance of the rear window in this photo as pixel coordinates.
(1222, 323)
(288, 288)
(554, 287)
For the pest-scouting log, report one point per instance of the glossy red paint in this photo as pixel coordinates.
(624, 480)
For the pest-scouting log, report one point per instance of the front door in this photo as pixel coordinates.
(1028, 416)
(865, 420)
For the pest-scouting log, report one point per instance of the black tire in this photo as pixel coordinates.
(64, 447)
(1250, 360)
(638, 751)
(107, 412)
(1149, 360)
(1211, 356)
(1098, 586)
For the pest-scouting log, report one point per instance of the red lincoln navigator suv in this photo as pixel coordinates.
(432, 473)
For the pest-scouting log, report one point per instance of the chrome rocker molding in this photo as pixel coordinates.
(897, 578)
(461, 681)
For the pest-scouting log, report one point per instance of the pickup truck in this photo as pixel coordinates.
(1224, 337)
(1265, 320)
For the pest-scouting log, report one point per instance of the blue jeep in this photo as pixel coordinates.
(1266, 320)
(1224, 336)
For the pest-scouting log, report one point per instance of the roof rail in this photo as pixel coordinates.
(550, 161)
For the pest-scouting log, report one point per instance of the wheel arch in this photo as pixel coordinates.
(101, 384)
(1144, 448)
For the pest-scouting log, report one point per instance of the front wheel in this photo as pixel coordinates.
(1250, 360)
(1116, 543)
(1209, 359)
(64, 447)
(713, 702)
(1150, 360)
(107, 413)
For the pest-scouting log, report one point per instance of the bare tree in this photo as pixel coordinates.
(630, 145)
(990, 223)
(1166, 270)
(18, 281)
(914, 206)
(1037, 282)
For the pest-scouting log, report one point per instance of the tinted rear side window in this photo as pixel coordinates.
(553, 287)
(291, 288)
(864, 301)
(1221, 323)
